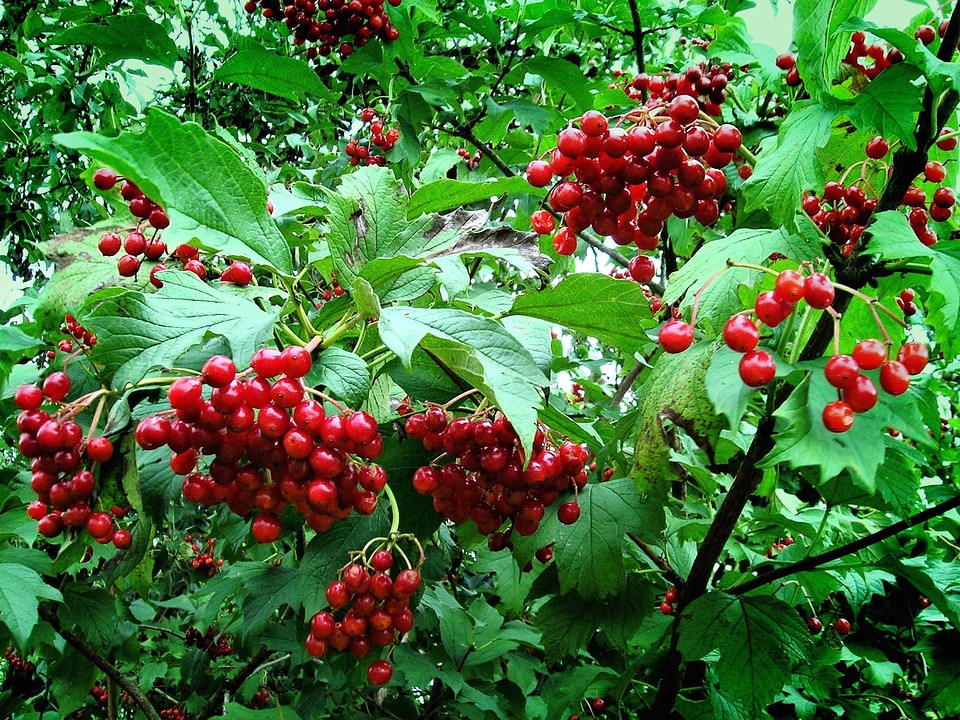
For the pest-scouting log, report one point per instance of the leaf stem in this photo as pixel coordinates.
(394, 510)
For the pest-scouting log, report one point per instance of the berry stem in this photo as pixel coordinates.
(836, 329)
(447, 405)
(394, 510)
(872, 302)
(291, 335)
(698, 293)
(96, 417)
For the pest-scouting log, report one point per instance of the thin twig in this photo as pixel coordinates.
(668, 572)
(229, 687)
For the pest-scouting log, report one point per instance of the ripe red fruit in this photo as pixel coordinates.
(790, 285)
(266, 528)
(100, 525)
(842, 626)
(128, 265)
(565, 241)
(841, 371)
(947, 143)
(785, 61)
(837, 416)
(740, 333)
(542, 222)
(50, 525)
(539, 173)
(295, 361)
(877, 147)
(152, 432)
(406, 584)
(122, 539)
(28, 397)
(862, 395)
(218, 371)
(109, 244)
(676, 336)
(727, 138)
(338, 595)
(238, 273)
(158, 219)
(56, 386)
(569, 512)
(381, 560)
(641, 268)
(757, 368)
(104, 179)
(571, 141)
(818, 291)
(771, 310)
(593, 123)
(870, 353)
(925, 34)
(894, 378)
(598, 704)
(671, 595)
(914, 357)
(99, 449)
(684, 109)
(379, 672)
(36, 510)
(815, 625)
(934, 172)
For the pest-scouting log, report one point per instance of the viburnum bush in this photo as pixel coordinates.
(541, 360)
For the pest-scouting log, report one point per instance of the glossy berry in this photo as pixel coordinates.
(641, 269)
(818, 291)
(56, 386)
(861, 395)
(28, 397)
(815, 625)
(676, 336)
(870, 353)
(542, 222)
(218, 371)
(266, 528)
(837, 416)
(99, 449)
(379, 672)
(841, 371)
(771, 309)
(877, 148)
(569, 512)
(104, 179)
(894, 378)
(914, 357)
(842, 626)
(790, 285)
(110, 244)
(539, 173)
(740, 334)
(295, 361)
(757, 368)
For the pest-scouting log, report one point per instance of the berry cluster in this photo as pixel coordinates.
(707, 84)
(173, 714)
(788, 63)
(78, 332)
(370, 150)
(332, 24)
(17, 664)
(271, 444)
(670, 597)
(214, 645)
(140, 205)
(487, 482)
(472, 160)
(628, 179)
(842, 212)
(870, 58)
(57, 449)
(367, 608)
(261, 698)
(204, 556)
(334, 291)
(780, 544)
(905, 301)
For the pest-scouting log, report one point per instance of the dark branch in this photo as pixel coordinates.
(215, 703)
(637, 36)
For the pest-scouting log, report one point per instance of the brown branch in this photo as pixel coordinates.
(809, 563)
(637, 36)
(629, 379)
(215, 703)
(609, 252)
(668, 572)
(91, 653)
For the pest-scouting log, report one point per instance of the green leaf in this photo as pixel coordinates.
(597, 305)
(563, 77)
(726, 390)
(21, 590)
(456, 625)
(803, 441)
(565, 690)
(897, 481)
(589, 553)
(366, 300)
(138, 332)
(9, 61)
(890, 103)
(783, 172)
(759, 638)
(892, 239)
(92, 611)
(344, 374)
(747, 245)
(368, 220)
(446, 194)
(261, 69)
(329, 551)
(236, 711)
(820, 48)
(935, 579)
(477, 349)
(269, 590)
(207, 190)
(124, 37)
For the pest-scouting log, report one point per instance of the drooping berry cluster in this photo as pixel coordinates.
(204, 556)
(788, 63)
(780, 544)
(265, 443)
(213, 644)
(471, 160)
(368, 608)
(871, 58)
(61, 459)
(842, 212)
(18, 664)
(340, 25)
(78, 332)
(370, 150)
(669, 598)
(707, 84)
(487, 482)
(329, 293)
(140, 205)
(628, 179)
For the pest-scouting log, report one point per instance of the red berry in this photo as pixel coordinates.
(539, 173)
(757, 368)
(671, 595)
(925, 34)
(379, 672)
(565, 241)
(815, 625)
(56, 386)
(295, 361)
(934, 172)
(785, 61)
(914, 357)
(841, 371)
(870, 353)
(727, 138)
(837, 416)
(569, 512)
(772, 310)
(99, 449)
(28, 397)
(338, 595)
(406, 584)
(842, 626)
(110, 244)
(740, 334)
(238, 273)
(862, 395)
(684, 109)
(641, 268)
(218, 371)
(676, 336)
(128, 265)
(100, 525)
(877, 148)
(122, 539)
(790, 285)
(818, 291)
(894, 378)
(104, 179)
(542, 222)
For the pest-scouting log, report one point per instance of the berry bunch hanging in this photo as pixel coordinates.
(870, 58)
(625, 180)
(380, 139)
(203, 556)
(63, 461)
(263, 443)
(213, 644)
(340, 25)
(486, 482)
(707, 84)
(368, 607)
